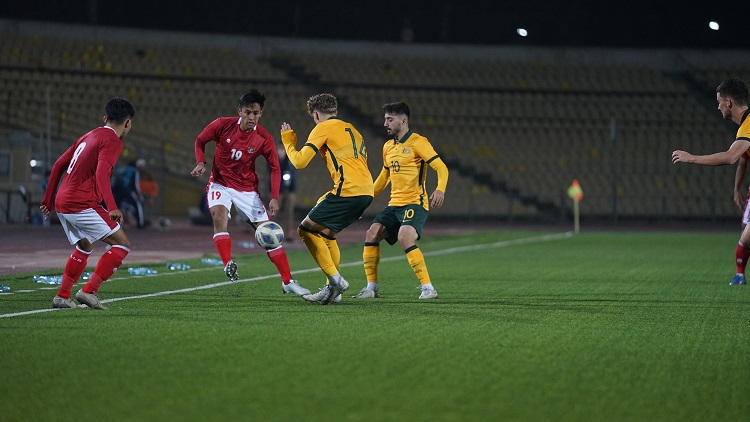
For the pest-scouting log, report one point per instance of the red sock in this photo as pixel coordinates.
(278, 257)
(107, 265)
(223, 244)
(741, 255)
(73, 270)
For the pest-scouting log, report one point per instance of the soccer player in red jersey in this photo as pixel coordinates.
(732, 98)
(239, 142)
(87, 166)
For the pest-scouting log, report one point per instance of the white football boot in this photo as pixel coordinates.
(367, 293)
(295, 288)
(428, 293)
(62, 303)
(90, 299)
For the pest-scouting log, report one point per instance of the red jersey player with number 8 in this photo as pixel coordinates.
(87, 166)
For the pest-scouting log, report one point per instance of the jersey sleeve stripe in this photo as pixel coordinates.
(311, 146)
(743, 138)
(432, 159)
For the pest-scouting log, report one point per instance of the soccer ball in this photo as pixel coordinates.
(269, 235)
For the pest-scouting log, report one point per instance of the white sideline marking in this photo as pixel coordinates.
(457, 249)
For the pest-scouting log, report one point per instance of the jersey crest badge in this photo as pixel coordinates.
(250, 150)
(407, 150)
(229, 140)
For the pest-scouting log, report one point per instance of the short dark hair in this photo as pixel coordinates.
(118, 110)
(399, 107)
(252, 97)
(734, 89)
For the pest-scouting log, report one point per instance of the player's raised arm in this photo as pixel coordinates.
(723, 158)
(302, 157)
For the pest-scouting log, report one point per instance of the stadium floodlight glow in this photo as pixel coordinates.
(522, 32)
(286, 176)
(714, 25)
(34, 163)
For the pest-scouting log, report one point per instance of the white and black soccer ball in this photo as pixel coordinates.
(269, 235)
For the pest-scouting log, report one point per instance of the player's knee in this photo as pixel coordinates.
(372, 235)
(376, 233)
(85, 245)
(407, 238)
(219, 213)
(119, 239)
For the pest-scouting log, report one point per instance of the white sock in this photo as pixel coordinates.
(427, 286)
(372, 285)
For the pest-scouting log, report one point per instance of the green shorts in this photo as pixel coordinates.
(337, 212)
(392, 218)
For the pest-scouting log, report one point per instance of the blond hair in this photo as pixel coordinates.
(322, 103)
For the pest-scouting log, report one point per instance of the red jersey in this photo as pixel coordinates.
(87, 166)
(236, 152)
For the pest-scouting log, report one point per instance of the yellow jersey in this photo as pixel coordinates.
(405, 167)
(743, 133)
(343, 150)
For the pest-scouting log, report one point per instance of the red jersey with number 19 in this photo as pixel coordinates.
(87, 165)
(236, 152)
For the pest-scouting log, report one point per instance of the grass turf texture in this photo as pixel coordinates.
(599, 326)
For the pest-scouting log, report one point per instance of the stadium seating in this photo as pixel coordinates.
(536, 126)
(515, 131)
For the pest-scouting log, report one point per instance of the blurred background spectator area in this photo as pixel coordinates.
(515, 123)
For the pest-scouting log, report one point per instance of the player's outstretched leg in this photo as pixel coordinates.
(288, 284)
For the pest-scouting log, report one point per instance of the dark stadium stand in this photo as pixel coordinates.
(514, 130)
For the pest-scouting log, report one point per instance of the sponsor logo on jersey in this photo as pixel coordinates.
(407, 150)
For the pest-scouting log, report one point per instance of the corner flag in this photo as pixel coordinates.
(574, 191)
(576, 194)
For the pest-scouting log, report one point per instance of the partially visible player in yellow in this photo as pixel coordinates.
(343, 150)
(405, 160)
(732, 97)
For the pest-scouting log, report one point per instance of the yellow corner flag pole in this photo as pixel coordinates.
(576, 194)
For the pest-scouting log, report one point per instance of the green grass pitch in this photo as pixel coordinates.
(592, 327)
